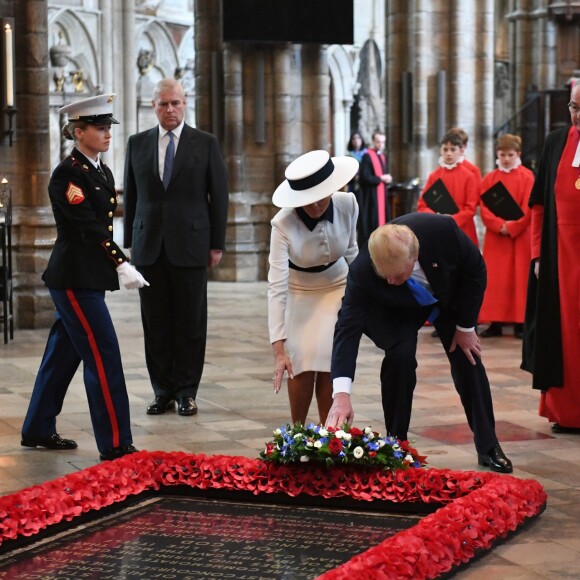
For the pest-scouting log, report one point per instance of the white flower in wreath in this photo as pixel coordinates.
(323, 432)
(409, 458)
(304, 458)
(368, 431)
(309, 444)
(339, 434)
(278, 432)
(358, 452)
(347, 436)
(318, 444)
(381, 443)
(298, 436)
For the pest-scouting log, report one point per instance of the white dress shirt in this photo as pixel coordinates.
(164, 142)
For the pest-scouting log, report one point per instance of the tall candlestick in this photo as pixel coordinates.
(9, 66)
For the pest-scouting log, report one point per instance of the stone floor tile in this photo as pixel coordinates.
(238, 412)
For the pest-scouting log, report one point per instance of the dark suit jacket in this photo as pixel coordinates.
(83, 202)
(190, 217)
(452, 264)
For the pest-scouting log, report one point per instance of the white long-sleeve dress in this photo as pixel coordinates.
(303, 306)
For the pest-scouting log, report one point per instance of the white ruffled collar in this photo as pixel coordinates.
(448, 165)
(513, 166)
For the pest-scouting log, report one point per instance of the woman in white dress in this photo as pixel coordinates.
(312, 244)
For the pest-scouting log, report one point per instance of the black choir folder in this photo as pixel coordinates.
(500, 202)
(438, 198)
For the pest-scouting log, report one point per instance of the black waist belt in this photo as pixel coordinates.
(313, 269)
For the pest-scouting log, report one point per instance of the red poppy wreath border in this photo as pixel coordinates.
(479, 509)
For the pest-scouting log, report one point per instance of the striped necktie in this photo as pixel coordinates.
(168, 165)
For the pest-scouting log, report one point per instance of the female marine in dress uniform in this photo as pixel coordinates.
(312, 244)
(84, 263)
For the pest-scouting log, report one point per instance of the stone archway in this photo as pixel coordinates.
(74, 71)
(342, 76)
(158, 58)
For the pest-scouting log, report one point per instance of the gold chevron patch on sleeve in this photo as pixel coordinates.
(74, 194)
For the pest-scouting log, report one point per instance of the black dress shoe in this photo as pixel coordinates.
(54, 441)
(160, 405)
(117, 452)
(494, 329)
(519, 330)
(557, 428)
(186, 406)
(496, 460)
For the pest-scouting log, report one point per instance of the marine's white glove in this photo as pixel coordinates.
(130, 277)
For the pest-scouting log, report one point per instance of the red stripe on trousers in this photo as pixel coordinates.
(100, 367)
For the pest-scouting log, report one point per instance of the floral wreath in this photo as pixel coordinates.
(361, 447)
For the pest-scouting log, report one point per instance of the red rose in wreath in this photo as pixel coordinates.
(335, 446)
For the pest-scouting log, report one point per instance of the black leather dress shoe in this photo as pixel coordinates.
(557, 428)
(117, 452)
(494, 329)
(160, 405)
(496, 460)
(54, 441)
(186, 406)
(519, 330)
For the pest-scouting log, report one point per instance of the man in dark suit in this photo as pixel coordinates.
(419, 267)
(176, 204)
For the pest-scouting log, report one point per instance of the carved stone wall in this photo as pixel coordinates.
(269, 104)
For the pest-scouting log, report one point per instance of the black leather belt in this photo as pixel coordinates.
(312, 269)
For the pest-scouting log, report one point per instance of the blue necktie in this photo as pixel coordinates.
(168, 165)
(423, 297)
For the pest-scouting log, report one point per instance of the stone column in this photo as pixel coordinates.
(315, 98)
(483, 146)
(27, 164)
(129, 123)
(521, 53)
(543, 48)
(208, 47)
(462, 73)
(107, 29)
(424, 36)
(285, 118)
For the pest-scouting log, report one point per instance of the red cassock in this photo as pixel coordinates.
(474, 170)
(562, 405)
(461, 184)
(507, 258)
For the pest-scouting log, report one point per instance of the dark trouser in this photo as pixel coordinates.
(83, 330)
(395, 332)
(174, 316)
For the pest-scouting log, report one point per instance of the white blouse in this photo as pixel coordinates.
(292, 240)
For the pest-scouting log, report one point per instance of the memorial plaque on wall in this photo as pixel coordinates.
(187, 538)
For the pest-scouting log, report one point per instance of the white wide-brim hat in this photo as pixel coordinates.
(312, 177)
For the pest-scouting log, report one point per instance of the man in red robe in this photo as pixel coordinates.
(552, 325)
(374, 177)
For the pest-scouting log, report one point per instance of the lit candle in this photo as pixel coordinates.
(9, 66)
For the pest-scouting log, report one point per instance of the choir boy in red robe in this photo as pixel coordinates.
(506, 246)
(459, 182)
(463, 160)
